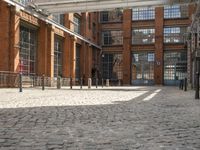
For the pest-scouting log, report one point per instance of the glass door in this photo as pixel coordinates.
(143, 68)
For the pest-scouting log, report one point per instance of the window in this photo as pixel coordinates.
(58, 49)
(147, 13)
(112, 66)
(176, 11)
(77, 71)
(24, 2)
(77, 24)
(112, 38)
(28, 46)
(143, 36)
(175, 67)
(142, 67)
(59, 18)
(174, 34)
(111, 16)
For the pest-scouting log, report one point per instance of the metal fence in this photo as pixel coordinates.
(9, 79)
(14, 80)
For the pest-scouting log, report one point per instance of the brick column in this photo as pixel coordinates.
(5, 24)
(50, 51)
(14, 40)
(72, 56)
(88, 59)
(42, 49)
(159, 51)
(127, 30)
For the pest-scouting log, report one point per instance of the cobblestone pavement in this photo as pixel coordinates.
(121, 118)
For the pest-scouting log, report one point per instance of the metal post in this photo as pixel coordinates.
(96, 82)
(20, 82)
(197, 86)
(70, 83)
(58, 83)
(185, 84)
(102, 82)
(43, 82)
(81, 83)
(181, 84)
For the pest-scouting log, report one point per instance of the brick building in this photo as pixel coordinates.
(140, 46)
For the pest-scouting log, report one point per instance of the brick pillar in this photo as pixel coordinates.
(42, 49)
(159, 51)
(50, 51)
(5, 31)
(88, 59)
(14, 40)
(127, 30)
(72, 56)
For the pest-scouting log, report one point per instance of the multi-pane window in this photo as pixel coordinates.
(111, 16)
(77, 71)
(112, 66)
(143, 67)
(112, 38)
(77, 24)
(24, 2)
(175, 66)
(58, 50)
(59, 18)
(28, 46)
(143, 36)
(174, 34)
(176, 11)
(147, 13)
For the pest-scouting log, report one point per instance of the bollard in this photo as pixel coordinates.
(107, 83)
(70, 83)
(119, 82)
(89, 83)
(96, 82)
(185, 84)
(81, 83)
(20, 82)
(197, 86)
(181, 84)
(58, 82)
(43, 82)
(102, 82)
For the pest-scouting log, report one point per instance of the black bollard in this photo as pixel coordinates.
(43, 82)
(81, 83)
(96, 82)
(179, 84)
(20, 82)
(185, 84)
(197, 86)
(102, 82)
(58, 83)
(70, 83)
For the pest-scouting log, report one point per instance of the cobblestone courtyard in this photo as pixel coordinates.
(121, 118)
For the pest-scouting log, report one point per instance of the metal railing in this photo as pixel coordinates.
(9, 79)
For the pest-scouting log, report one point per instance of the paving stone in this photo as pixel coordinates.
(115, 118)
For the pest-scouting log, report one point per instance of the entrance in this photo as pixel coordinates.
(175, 67)
(143, 68)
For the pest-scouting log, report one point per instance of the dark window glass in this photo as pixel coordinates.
(143, 36)
(174, 34)
(28, 47)
(58, 52)
(112, 38)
